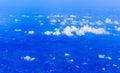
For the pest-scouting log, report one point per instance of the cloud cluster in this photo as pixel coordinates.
(109, 21)
(73, 30)
(117, 28)
(56, 32)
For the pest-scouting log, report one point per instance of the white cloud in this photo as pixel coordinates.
(25, 16)
(48, 32)
(28, 58)
(109, 58)
(63, 22)
(99, 22)
(57, 32)
(93, 30)
(74, 22)
(69, 19)
(72, 30)
(117, 28)
(108, 21)
(67, 54)
(18, 30)
(103, 69)
(73, 16)
(70, 61)
(89, 17)
(84, 21)
(53, 21)
(116, 22)
(31, 32)
(101, 56)
(17, 20)
(69, 30)
(39, 16)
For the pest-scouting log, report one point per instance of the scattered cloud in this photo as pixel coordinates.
(88, 17)
(66, 54)
(73, 16)
(28, 58)
(18, 30)
(53, 21)
(48, 32)
(116, 22)
(31, 32)
(117, 28)
(16, 20)
(25, 16)
(56, 32)
(101, 56)
(108, 21)
(99, 22)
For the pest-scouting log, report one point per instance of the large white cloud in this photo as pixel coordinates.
(88, 29)
(72, 30)
(69, 30)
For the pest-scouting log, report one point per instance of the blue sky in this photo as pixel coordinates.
(62, 3)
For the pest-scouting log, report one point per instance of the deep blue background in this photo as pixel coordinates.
(14, 45)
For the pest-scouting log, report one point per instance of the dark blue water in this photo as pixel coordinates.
(21, 52)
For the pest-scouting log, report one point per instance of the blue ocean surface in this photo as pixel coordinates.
(73, 41)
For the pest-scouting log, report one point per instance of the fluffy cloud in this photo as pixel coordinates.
(88, 17)
(99, 22)
(117, 28)
(56, 32)
(73, 16)
(48, 32)
(25, 16)
(53, 21)
(18, 30)
(16, 20)
(28, 58)
(72, 30)
(108, 21)
(31, 32)
(116, 22)
(69, 30)
(88, 29)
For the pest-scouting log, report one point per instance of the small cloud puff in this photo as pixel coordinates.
(48, 32)
(28, 58)
(31, 32)
(117, 28)
(108, 21)
(99, 22)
